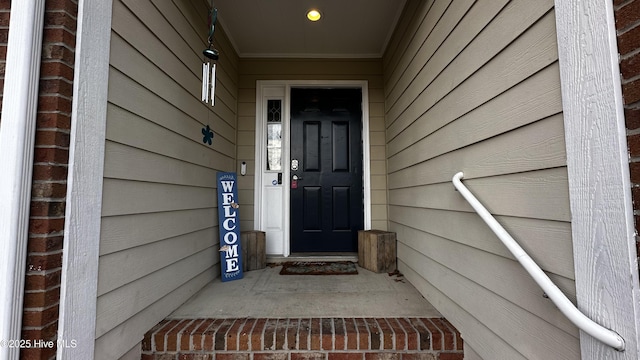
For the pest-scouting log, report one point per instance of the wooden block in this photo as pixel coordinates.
(361, 235)
(254, 256)
(377, 250)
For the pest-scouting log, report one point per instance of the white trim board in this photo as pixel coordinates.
(17, 139)
(286, 85)
(606, 267)
(78, 294)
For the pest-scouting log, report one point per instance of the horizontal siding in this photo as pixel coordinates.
(159, 229)
(474, 86)
(503, 194)
(470, 354)
(536, 338)
(122, 232)
(150, 258)
(144, 320)
(135, 197)
(252, 70)
(116, 307)
(548, 242)
(536, 146)
(502, 113)
(143, 165)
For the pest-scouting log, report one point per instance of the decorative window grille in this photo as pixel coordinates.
(274, 135)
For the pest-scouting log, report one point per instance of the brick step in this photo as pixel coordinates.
(303, 339)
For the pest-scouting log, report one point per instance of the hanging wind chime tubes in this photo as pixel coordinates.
(209, 63)
(209, 82)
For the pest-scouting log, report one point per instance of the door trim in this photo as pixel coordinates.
(262, 89)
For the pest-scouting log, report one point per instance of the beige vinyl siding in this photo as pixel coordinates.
(159, 229)
(254, 69)
(474, 86)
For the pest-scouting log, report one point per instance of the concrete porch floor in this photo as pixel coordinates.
(268, 316)
(266, 293)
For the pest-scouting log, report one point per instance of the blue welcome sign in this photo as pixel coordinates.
(229, 223)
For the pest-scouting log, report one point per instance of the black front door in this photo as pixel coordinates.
(326, 170)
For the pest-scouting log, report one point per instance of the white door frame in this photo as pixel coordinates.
(260, 150)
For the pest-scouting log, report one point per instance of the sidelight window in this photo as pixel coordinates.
(274, 135)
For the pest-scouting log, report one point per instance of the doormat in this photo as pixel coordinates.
(319, 268)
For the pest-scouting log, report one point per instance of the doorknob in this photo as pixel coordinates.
(296, 177)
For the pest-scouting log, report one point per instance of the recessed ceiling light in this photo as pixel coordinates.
(313, 15)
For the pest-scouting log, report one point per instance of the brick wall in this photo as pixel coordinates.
(51, 156)
(627, 14)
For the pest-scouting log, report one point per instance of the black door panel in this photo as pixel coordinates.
(326, 139)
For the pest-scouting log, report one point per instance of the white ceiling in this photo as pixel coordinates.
(279, 28)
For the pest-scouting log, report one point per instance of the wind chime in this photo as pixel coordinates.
(209, 62)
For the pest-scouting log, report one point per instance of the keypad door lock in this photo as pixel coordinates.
(294, 164)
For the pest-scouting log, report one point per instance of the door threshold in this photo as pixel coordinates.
(313, 256)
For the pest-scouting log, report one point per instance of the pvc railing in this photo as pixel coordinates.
(608, 337)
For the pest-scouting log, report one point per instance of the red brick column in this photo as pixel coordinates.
(627, 14)
(51, 157)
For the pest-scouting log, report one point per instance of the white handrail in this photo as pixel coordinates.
(556, 295)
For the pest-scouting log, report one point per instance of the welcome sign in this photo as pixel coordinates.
(229, 223)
